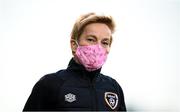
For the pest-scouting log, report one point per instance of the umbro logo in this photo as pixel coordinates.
(70, 97)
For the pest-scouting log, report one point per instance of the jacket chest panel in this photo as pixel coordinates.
(87, 98)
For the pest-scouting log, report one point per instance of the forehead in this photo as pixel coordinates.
(99, 30)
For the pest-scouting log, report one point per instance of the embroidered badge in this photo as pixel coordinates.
(111, 99)
(70, 97)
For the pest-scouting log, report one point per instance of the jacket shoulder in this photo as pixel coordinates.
(44, 92)
(51, 79)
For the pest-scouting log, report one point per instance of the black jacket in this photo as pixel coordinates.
(76, 89)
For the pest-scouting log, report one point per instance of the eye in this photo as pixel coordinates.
(90, 39)
(105, 43)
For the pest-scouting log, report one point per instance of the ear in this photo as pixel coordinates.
(73, 46)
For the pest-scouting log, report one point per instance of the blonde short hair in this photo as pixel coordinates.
(89, 18)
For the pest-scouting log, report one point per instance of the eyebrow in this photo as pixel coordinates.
(106, 39)
(94, 36)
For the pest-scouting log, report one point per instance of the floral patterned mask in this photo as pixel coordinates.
(92, 57)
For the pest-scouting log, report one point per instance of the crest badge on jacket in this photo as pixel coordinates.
(111, 99)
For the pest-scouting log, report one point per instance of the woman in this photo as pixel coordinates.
(81, 86)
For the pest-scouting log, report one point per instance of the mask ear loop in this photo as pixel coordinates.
(75, 42)
(75, 58)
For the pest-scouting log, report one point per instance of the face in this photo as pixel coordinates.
(95, 33)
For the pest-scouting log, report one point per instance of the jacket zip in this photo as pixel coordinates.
(94, 96)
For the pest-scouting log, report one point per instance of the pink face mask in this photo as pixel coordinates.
(92, 57)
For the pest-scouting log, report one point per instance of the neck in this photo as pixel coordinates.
(76, 60)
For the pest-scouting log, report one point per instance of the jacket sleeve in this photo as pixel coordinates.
(43, 96)
(122, 105)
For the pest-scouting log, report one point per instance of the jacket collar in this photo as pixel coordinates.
(73, 65)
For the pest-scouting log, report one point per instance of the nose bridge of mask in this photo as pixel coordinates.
(98, 44)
